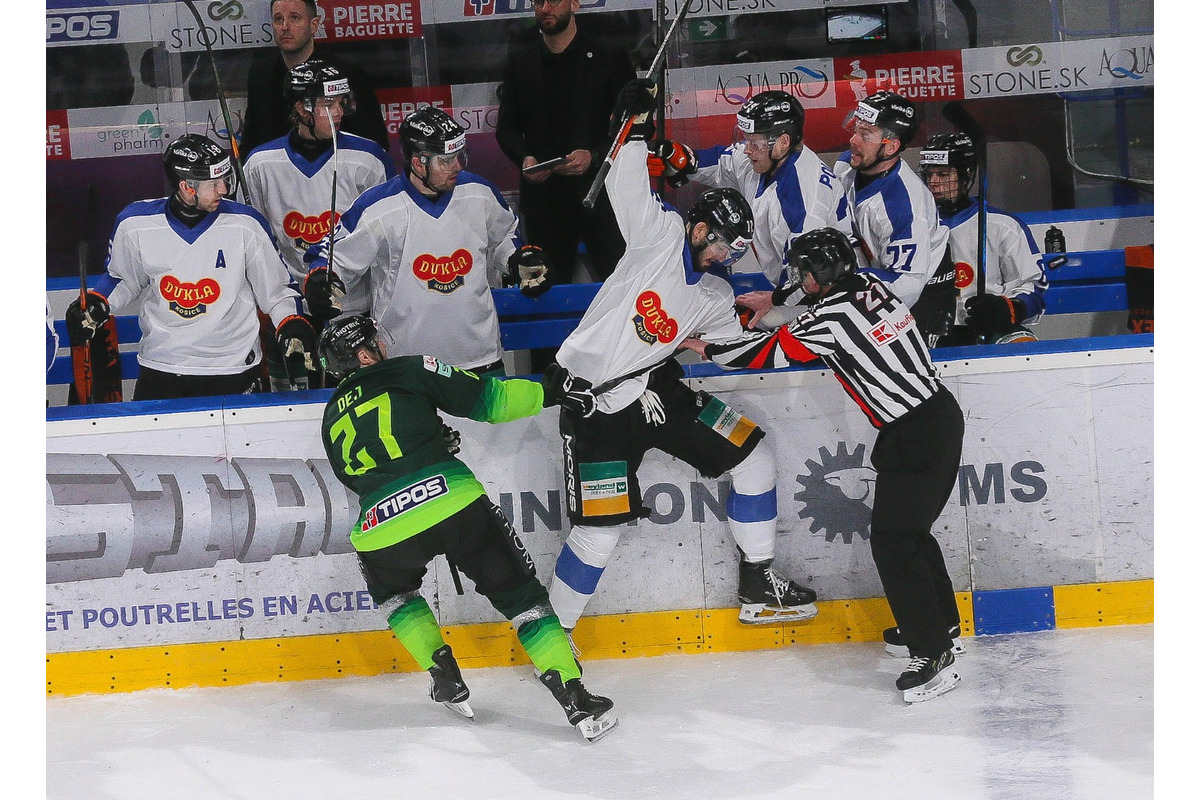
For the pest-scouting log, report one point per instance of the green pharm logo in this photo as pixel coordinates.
(147, 121)
(837, 494)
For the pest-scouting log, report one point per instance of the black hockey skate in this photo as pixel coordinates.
(590, 713)
(926, 678)
(896, 645)
(446, 685)
(768, 598)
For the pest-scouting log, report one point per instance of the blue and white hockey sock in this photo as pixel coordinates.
(752, 506)
(581, 562)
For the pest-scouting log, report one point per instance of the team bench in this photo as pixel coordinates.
(1089, 282)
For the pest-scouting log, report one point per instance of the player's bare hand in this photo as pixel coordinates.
(695, 345)
(577, 163)
(537, 176)
(757, 302)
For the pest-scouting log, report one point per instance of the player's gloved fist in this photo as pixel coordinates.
(452, 438)
(561, 388)
(637, 102)
(671, 160)
(993, 314)
(323, 293)
(297, 337)
(82, 323)
(529, 270)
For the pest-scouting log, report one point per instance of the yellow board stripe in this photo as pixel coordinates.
(495, 644)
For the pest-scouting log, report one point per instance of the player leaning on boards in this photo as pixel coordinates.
(788, 186)
(1015, 280)
(199, 266)
(669, 283)
(383, 436)
(869, 338)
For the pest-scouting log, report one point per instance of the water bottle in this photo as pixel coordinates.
(1055, 243)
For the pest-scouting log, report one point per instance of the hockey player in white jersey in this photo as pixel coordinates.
(291, 181)
(422, 252)
(1014, 275)
(901, 238)
(668, 285)
(197, 266)
(790, 189)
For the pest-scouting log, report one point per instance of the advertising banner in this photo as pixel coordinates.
(229, 524)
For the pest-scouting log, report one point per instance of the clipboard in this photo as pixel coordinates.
(551, 163)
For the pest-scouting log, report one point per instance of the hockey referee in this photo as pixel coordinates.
(869, 338)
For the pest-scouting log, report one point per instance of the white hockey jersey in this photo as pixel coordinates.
(801, 196)
(294, 193)
(1013, 268)
(896, 218)
(653, 300)
(429, 266)
(200, 288)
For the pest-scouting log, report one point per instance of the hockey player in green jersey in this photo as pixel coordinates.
(384, 439)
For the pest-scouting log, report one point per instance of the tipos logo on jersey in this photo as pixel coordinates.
(443, 273)
(964, 275)
(406, 499)
(652, 322)
(306, 230)
(189, 299)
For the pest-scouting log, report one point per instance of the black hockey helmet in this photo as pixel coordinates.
(955, 150)
(429, 130)
(772, 112)
(890, 111)
(826, 253)
(193, 157)
(340, 341)
(316, 79)
(729, 219)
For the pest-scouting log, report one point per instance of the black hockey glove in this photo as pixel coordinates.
(637, 102)
(561, 388)
(297, 337)
(990, 315)
(452, 438)
(529, 269)
(671, 160)
(323, 292)
(82, 324)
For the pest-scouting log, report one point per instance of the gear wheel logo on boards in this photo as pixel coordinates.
(837, 494)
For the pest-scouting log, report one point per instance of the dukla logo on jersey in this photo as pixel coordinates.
(189, 300)
(306, 230)
(651, 322)
(443, 273)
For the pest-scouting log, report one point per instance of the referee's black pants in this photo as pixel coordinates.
(916, 459)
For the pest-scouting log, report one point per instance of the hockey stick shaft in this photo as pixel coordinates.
(233, 143)
(622, 136)
(85, 383)
(958, 116)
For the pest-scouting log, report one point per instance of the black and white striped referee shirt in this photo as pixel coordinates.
(865, 334)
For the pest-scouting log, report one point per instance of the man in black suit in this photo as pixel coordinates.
(295, 23)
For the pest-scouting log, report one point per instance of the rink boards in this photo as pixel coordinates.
(208, 545)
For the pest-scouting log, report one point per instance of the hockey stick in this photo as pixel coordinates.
(958, 116)
(233, 143)
(627, 122)
(81, 355)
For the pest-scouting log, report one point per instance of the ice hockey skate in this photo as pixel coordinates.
(926, 678)
(591, 714)
(895, 644)
(768, 598)
(446, 684)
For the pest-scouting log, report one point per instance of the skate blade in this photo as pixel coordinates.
(901, 651)
(943, 682)
(763, 614)
(463, 708)
(596, 728)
